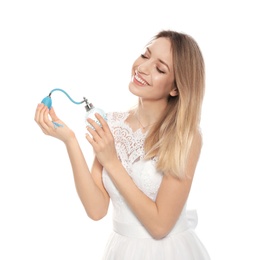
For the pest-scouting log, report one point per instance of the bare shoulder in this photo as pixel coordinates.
(197, 141)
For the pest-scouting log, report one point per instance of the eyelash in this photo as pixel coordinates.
(145, 57)
(160, 71)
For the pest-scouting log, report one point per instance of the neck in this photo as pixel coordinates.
(148, 114)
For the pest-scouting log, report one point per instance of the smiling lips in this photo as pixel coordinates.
(140, 80)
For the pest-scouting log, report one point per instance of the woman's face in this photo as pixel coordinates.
(152, 72)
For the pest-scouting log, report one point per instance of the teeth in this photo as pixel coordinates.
(140, 80)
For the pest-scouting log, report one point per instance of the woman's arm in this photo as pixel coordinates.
(89, 186)
(160, 216)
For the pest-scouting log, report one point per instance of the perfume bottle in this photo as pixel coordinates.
(91, 111)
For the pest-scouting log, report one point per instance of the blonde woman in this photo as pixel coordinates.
(145, 158)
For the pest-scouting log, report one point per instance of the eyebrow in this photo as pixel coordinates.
(161, 61)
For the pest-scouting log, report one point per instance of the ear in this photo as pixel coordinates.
(174, 92)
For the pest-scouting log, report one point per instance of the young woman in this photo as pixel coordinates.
(145, 158)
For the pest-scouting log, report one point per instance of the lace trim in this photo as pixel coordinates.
(129, 144)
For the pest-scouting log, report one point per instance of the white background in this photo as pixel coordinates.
(87, 48)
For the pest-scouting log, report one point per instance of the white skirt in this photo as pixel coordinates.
(134, 243)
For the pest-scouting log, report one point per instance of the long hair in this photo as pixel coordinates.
(171, 137)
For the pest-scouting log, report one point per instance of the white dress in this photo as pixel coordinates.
(129, 240)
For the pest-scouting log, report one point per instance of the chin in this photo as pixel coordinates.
(132, 89)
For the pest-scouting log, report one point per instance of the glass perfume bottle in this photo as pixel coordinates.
(90, 113)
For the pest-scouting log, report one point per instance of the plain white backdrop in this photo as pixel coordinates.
(87, 48)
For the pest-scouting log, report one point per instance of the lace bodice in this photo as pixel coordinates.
(130, 150)
(129, 144)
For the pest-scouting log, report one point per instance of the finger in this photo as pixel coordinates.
(96, 124)
(93, 142)
(101, 120)
(44, 119)
(90, 122)
(104, 124)
(92, 130)
(38, 112)
(95, 127)
(38, 116)
(53, 115)
(90, 139)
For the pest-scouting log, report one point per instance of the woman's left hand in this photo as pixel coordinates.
(102, 141)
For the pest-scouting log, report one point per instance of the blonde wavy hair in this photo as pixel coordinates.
(171, 138)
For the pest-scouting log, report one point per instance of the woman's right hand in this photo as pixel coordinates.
(54, 127)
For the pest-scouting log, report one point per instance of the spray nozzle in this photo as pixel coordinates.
(88, 105)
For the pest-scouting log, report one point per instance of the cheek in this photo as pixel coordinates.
(162, 82)
(158, 79)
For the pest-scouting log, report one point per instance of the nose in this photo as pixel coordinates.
(143, 69)
(139, 69)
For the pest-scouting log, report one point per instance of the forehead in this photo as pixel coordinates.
(161, 48)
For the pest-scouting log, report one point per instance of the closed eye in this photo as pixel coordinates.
(144, 56)
(160, 71)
